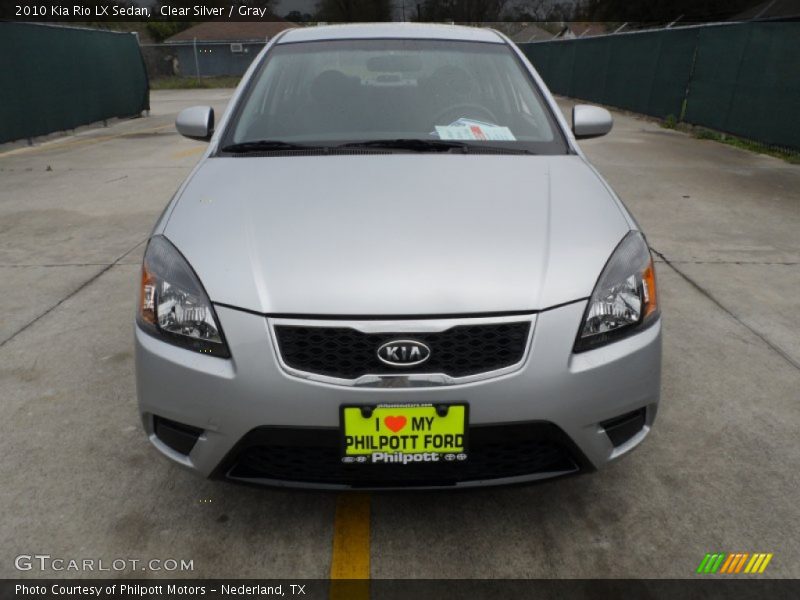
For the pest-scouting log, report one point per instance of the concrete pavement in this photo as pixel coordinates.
(717, 473)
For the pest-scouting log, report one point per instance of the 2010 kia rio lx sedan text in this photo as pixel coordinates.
(394, 268)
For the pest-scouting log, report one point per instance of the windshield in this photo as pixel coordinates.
(349, 91)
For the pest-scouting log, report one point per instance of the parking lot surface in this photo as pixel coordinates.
(718, 472)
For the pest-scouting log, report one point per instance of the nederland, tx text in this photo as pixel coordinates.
(158, 590)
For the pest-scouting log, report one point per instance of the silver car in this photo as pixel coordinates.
(395, 268)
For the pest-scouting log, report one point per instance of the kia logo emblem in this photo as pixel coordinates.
(404, 353)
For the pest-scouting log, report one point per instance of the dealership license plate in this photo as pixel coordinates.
(404, 433)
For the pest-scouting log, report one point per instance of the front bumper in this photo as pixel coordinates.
(228, 399)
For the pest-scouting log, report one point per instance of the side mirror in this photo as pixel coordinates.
(590, 121)
(196, 123)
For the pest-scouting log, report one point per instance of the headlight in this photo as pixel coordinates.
(173, 305)
(624, 300)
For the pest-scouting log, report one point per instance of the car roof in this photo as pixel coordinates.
(390, 31)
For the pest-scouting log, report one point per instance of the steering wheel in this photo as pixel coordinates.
(460, 110)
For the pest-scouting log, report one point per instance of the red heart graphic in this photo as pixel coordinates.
(395, 423)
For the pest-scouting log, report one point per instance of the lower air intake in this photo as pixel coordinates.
(314, 456)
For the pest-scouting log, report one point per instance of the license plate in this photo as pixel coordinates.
(404, 433)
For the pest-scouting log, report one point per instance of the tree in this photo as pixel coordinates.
(161, 30)
(295, 16)
(462, 11)
(348, 11)
(268, 4)
(542, 10)
(663, 11)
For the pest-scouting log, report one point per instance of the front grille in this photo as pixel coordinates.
(313, 455)
(345, 353)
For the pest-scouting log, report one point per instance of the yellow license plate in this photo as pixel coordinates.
(395, 430)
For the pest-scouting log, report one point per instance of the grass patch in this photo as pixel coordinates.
(702, 133)
(193, 83)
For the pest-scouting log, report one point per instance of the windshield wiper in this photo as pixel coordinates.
(414, 145)
(408, 144)
(433, 146)
(267, 146)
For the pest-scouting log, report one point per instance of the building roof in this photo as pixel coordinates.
(232, 31)
(531, 33)
(392, 30)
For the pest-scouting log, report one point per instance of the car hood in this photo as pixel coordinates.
(397, 234)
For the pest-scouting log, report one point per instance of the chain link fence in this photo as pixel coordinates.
(739, 78)
(199, 59)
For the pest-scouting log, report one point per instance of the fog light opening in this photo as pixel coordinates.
(622, 428)
(178, 436)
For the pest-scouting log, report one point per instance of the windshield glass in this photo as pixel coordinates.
(345, 91)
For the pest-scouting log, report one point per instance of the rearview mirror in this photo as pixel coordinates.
(590, 121)
(196, 123)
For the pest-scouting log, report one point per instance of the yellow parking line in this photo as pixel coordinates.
(351, 537)
(189, 152)
(350, 560)
(58, 144)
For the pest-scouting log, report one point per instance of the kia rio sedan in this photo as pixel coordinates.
(395, 268)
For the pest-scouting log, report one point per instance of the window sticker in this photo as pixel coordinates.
(470, 129)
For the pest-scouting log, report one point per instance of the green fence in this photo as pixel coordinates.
(57, 78)
(742, 78)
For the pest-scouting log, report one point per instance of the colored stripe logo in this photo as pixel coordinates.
(734, 563)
